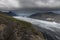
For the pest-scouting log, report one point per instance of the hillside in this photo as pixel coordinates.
(13, 29)
(10, 13)
(47, 16)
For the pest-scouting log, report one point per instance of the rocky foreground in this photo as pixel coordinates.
(12, 29)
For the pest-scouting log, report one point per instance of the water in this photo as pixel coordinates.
(27, 14)
(24, 13)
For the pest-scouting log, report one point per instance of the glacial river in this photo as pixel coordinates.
(50, 28)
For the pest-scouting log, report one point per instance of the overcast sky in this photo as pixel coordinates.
(15, 4)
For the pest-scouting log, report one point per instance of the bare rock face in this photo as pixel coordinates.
(48, 16)
(12, 29)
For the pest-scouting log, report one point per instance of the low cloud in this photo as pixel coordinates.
(15, 4)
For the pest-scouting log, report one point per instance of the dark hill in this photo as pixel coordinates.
(10, 13)
(13, 29)
(48, 16)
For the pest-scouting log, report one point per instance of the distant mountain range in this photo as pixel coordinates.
(48, 16)
(10, 13)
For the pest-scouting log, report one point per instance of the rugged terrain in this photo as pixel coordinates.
(47, 16)
(10, 13)
(13, 29)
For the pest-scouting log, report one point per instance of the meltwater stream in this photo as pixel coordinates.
(50, 28)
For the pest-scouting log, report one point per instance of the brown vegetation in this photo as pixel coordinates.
(12, 29)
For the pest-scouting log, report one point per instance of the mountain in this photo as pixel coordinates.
(10, 13)
(48, 16)
(13, 29)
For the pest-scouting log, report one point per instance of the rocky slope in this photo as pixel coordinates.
(12, 29)
(48, 16)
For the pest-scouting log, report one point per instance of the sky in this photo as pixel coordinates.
(17, 4)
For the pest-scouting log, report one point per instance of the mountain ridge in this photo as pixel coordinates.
(47, 16)
(10, 13)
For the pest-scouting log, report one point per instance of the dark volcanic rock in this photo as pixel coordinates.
(11, 13)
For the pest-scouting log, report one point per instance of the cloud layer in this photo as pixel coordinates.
(14, 4)
(9, 4)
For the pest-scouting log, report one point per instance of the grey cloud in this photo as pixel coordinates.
(40, 3)
(45, 1)
(15, 4)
